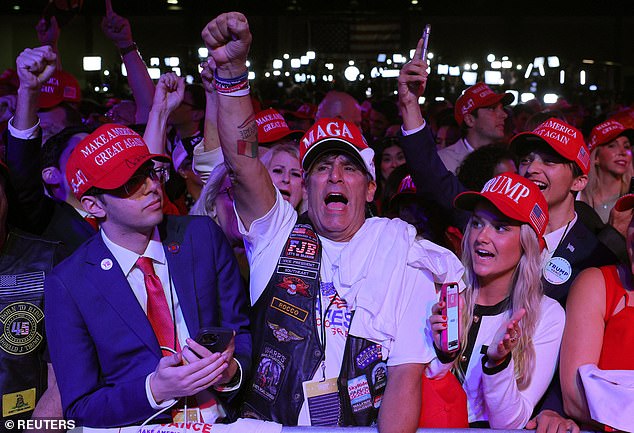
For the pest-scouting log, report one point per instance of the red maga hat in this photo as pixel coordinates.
(565, 139)
(608, 131)
(513, 195)
(273, 127)
(107, 159)
(477, 96)
(61, 87)
(335, 135)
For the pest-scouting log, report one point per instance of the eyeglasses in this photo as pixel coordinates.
(137, 181)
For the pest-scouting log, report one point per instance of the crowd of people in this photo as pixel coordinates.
(321, 234)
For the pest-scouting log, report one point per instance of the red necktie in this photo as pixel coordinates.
(92, 221)
(158, 312)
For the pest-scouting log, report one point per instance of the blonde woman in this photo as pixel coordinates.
(611, 168)
(510, 331)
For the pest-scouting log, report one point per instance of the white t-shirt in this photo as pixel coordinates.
(263, 244)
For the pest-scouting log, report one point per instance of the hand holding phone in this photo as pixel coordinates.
(214, 339)
(425, 38)
(450, 337)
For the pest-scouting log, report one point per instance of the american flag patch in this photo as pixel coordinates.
(583, 157)
(538, 217)
(21, 286)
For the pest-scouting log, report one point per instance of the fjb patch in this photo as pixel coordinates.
(269, 373)
(301, 249)
(19, 323)
(283, 335)
(359, 392)
(294, 285)
(369, 355)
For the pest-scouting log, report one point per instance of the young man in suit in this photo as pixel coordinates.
(123, 310)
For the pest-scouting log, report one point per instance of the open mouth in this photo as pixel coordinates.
(483, 254)
(541, 185)
(335, 200)
(286, 195)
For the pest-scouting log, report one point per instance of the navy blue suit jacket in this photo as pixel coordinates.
(101, 343)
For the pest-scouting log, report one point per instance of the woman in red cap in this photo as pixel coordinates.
(509, 331)
(611, 169)
(597, 351)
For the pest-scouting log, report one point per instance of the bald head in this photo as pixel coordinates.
(339, 105)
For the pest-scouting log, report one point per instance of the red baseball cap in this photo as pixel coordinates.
(513, 195)
(625, 117)
(273, 127)
(305, 111)
(608, 131)
(61, 87)
(624, 203)
(565, 139)
(477, 96)
(107, 159)
(405, 188)
(335, 135)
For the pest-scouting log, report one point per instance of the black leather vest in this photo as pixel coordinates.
(24, 262)
(287, 349)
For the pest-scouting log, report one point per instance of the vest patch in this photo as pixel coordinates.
(18, 402)
(269, 372)
(359, 392)
(282, 334)
(294, 285)
(289, 309)
(19, 324)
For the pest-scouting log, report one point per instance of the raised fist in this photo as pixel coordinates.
(228, 39)
(35, 66)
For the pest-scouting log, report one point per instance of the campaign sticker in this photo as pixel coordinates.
(269, 373)
(19, 328)
(557, 270)
(359, 392)
(369, 355)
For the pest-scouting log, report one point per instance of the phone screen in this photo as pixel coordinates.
(452, 317)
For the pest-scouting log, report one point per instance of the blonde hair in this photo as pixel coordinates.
(526, 292)
(594, 182)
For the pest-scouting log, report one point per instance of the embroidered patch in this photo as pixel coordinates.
(359, 393)
(294, 285)
(289, 309)
(379, 377)
(18, 402)
(283, 335)
(269, 373)
(300, 268)
(301, 249)
(19, 325)
(369, 355)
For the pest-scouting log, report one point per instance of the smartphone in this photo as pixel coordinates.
(451, 336)
(425, 36)
(214, 339)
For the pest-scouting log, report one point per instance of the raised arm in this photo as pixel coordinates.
(118, 30)
(34, 66)
(170, 90)
(429, 174)
(228, 39)
(48, 33)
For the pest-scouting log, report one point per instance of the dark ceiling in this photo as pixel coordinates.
(327, 7)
